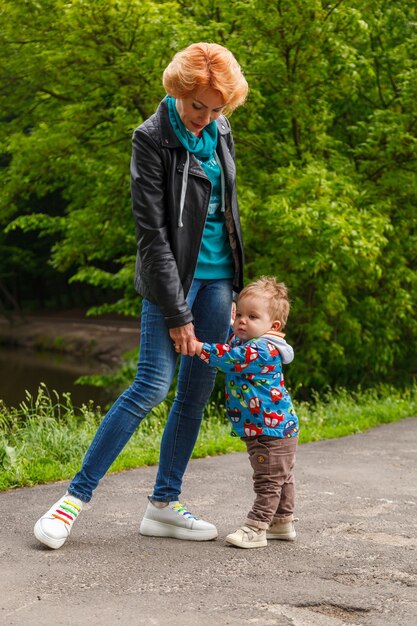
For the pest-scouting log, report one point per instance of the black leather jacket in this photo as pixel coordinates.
(166, 252)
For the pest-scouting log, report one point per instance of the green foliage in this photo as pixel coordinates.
(341, 412)
(326, 146)
(43, 440)
(40, 439)
(331, 208)
(77, 83)
(115, 382)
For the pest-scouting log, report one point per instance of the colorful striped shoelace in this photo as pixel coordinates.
(67, 512)
(179, 508)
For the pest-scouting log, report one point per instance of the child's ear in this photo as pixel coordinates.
(276, 325)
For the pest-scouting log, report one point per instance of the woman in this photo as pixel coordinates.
(189, 261)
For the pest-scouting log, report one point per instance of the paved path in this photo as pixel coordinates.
(354, 561)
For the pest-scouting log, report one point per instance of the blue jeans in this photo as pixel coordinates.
(210, 302)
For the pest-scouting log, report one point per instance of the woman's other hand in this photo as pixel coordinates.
(184, 339)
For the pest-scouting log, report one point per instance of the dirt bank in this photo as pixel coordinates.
(105, 339)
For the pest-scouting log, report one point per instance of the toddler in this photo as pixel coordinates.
(260, 408)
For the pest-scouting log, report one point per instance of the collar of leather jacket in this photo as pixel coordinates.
(167, 135)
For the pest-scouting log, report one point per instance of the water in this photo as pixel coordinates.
(23, 369)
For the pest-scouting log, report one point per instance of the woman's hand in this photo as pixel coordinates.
(184, 339)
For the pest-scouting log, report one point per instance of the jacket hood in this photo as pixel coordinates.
(286, 351)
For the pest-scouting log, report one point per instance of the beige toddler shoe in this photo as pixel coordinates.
(282, 529)
(248, 537)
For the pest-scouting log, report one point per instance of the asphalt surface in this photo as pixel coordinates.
(353, 563)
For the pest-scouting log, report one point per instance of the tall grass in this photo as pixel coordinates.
(341, 413)
(44, 439)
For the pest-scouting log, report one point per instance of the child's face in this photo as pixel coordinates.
(252, 318)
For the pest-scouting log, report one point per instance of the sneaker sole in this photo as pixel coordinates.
(47, 541)
(152, 528)
(281, 537)
(239, 544)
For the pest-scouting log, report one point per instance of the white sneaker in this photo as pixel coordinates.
(248, 537)
(53, 528)
(175, 521)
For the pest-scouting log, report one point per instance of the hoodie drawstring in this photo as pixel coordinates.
(184, 188)
(222, 181)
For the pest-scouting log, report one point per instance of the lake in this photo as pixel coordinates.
(25, 369)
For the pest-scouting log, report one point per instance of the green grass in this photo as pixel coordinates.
(43, 440)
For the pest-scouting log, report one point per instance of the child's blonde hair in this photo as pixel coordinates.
(276, 293)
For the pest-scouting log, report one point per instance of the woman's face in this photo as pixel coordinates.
(199, 109)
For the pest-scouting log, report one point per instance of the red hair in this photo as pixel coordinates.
(206, 65)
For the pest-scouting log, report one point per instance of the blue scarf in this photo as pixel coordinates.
(203, 147)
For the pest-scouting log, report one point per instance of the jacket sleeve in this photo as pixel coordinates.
(250, 357)
(158, 268)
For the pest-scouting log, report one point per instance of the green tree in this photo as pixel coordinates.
(331, 203)
(79, 76)
(326, 149)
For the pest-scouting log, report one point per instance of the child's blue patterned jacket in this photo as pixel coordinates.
(256, 399)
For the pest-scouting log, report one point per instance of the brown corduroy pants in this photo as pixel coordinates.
(272, 461)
